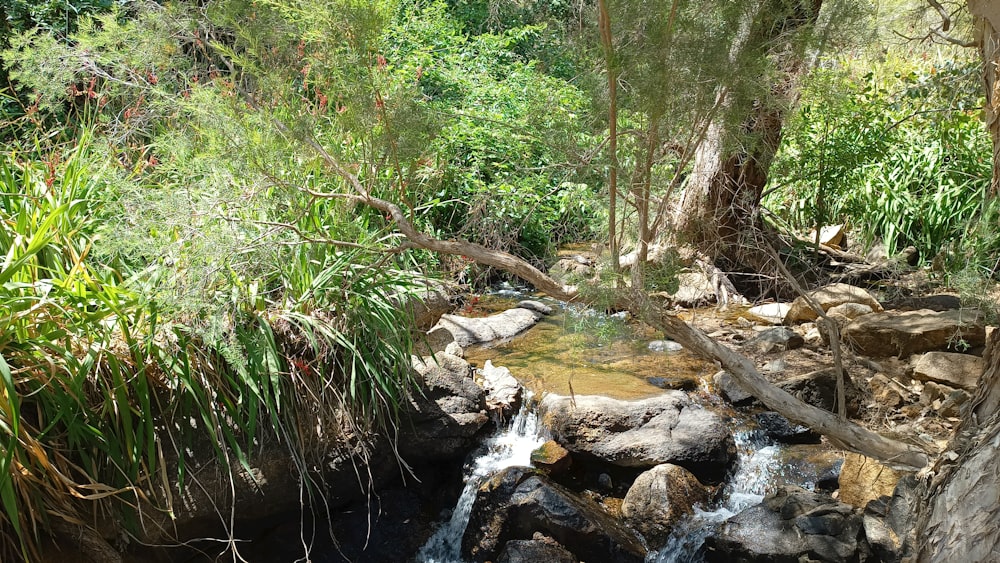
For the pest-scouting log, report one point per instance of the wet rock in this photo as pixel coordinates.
(949, 368)
(468, 331)
(519, 502)
(664, 346)
(819, 389)
(773, 313)
(863, 479)
(551, 458)
(828, 297)
(643, 433)
(780, 429)
(659, 498)
(731, 390)
(445, 412)
(913, 332)
(681, 383)
(534, 551)
(779, 339)
(792, 524)
(503, 391)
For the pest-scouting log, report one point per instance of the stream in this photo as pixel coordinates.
(601, 355)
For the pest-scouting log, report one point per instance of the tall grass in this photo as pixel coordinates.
(93, 371)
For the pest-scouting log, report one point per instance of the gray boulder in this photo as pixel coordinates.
(914, 332)
(444, 413)
(519, 502)
(468, 331)
(791, 525)
(778, 339)
(534, 551)
(644, 433)
(659, 498)
(731, 390)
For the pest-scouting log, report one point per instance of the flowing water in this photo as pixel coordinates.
(556, 356)
(509, 448)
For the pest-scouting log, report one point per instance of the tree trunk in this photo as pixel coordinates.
(987, 15)
(719, 206)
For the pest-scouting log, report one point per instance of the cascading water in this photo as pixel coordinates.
(757, 463)
(509, 448)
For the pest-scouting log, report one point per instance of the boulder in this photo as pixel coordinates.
(503, 391)
(426, 302)
(888, 393)
(551, 458)
(914, 332)
(693, 290)
(819, 389)
(850, 310)
(780, 429)
(949, 368)
(731, 390)
(533, 551)
(664, 346)
(773, 313)
(444, 413)
(519, 502)
(643, 433)
(778, 339)
(791, 525)
(939, 302)
(468, 331)
(659, 498)
(828, 297)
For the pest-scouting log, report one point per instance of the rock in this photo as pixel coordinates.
(503, 391)
(454, 349)
(951, 407)
(468, 331)
(605, 482)
(659, 498)
(570, 267)
(694, 289)
(850, 310)
(830, 235)
(518, 502)
(956, 370)
(775, 366)
(551, 458)
(940, 302)
(780, 429)
(886, 392)
(664, 346)
(536, 306)
(913, 332)
(643, 433)
(819, 389)
(791, 525)
(933, 392)
(773, 313)
(426, 302)
(533, 551)
(730, 389)
(444, 413)
(863, 479)
(828, 297)
(778, 339)
(438, 339)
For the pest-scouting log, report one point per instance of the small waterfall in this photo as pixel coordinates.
(757, 463)
(508, 448)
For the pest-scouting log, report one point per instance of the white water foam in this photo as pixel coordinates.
(757, 463)
(510, 448)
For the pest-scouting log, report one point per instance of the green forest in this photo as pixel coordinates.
(214, 213)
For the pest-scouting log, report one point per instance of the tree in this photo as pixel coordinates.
(719, 209)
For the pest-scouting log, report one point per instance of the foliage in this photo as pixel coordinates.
(903, 159)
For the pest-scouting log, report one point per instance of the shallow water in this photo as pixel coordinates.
(583, 353)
